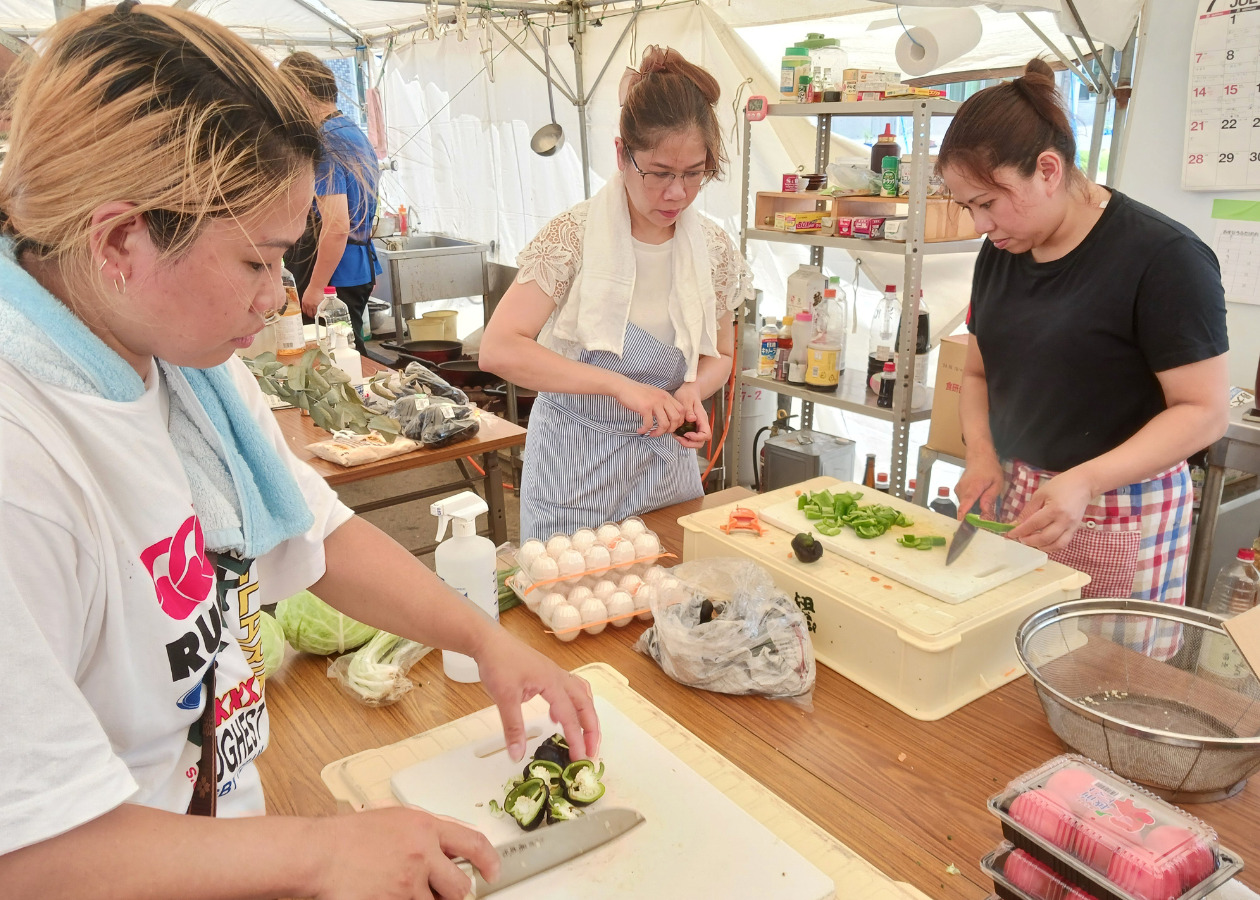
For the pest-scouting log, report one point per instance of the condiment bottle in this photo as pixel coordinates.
(885, 145)
(944, 504)
(802, 333)
(785, 349)
(889, 175)
(868, 477)
(290, 339)
(769, 347)
(881, 482)
(884, 327)
(794, 59)
(886, 386)
(825, 353)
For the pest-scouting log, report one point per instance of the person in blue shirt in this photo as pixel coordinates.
(336, 248)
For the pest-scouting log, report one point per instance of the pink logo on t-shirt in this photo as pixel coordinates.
(180, 571)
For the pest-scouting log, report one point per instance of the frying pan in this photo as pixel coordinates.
(428, 351)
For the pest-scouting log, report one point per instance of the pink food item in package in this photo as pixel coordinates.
(1142, 845)
(1037, 880)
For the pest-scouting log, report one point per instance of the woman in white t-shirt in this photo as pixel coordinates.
(158, 168)
(622, 316)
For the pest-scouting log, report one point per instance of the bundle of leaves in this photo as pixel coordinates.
(314, 384)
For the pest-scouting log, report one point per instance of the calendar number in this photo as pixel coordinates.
(1255, 156)
(1202, 91)
(1195, 159)
(1229, 54)
(1226, 124)
(1255, 121)
(1231, 89)
(1196, 126)
(1226, 157)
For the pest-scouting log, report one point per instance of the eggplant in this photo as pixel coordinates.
(527, 803)
(807, 549)
(706, 611)
(582, 784)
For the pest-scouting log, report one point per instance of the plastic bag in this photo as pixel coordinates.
(757, 641)
(852, 179)
(376, 673)
(349, 449)
(421, 379)
(435, 423)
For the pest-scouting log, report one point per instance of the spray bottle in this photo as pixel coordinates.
(466, 563)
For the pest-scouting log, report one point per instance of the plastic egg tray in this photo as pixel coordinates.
(592, 578)
(1106, 836)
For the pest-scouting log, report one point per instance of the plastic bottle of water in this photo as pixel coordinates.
(1237, 590)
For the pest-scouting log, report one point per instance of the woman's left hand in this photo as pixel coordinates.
(693, 412)
(1054, 512)
(514, 674)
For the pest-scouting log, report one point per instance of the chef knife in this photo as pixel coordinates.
(549, 846)
(962, 537)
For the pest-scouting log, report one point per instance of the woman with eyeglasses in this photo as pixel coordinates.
(622, 317)
(158, 168)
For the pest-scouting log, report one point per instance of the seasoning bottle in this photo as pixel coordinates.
(794, 59)
(802, 334)
(402, 220)
(881, 482)
(805, 89)
(785, 349)
(886, 385)
(884, 326)
(889, 176)
(868, 478)
(769, 347)
(290, 339)
(910, 491)
(825, 354)
(885, 145)
(944, 504)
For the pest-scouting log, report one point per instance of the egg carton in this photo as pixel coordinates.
(592, 604)
(605, 552)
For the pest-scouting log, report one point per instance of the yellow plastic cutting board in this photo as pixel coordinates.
(990, 560)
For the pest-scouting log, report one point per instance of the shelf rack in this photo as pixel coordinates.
(852, 394)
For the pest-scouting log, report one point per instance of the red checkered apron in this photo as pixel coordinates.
(1134, 541)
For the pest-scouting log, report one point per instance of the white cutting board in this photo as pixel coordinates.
(990, 561)
(695, 842)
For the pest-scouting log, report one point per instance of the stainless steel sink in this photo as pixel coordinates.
(429, 267)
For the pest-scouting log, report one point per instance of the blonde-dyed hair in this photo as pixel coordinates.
(153, 106)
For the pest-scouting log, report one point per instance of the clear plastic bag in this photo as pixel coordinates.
(852, 179)
(435, 422)
(756, 641)
(376, 673)
(421, 379)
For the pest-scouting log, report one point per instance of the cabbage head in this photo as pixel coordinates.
(312, 626)
(272, 641)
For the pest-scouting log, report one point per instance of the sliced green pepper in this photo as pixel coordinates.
(527, 803)
(995, 527)
(582, 784)
(561, 810)
(545, 769)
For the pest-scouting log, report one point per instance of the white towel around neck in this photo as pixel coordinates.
(595, 314)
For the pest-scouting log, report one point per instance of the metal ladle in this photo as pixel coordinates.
(550, 138)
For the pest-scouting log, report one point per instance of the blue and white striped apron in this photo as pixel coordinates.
(586, 463)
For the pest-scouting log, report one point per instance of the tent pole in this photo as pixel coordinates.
(563, 89)
(1120, 125)
(1089, 82)
(577, 33)
(634, 17)
(1101, 102)
(558, 76)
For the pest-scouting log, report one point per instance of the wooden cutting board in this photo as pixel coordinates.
(696, 842)
(989, 562)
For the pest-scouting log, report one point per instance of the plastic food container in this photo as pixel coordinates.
(591, 578)
(1018, 875)
(1109, 837)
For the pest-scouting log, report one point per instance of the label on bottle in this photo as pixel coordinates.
(888, 177)
(769, 350)
(796, 373)
(1220, 656)
(920, 369)
(822, 368)
(290, 339)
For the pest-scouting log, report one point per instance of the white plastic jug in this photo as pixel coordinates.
(805, 289)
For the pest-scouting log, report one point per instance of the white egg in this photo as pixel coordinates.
(557, 544)
(543, 569)
(608, 534)
(644, 600)
(578, 594)
(620, 607)
(598, 557)
(571, 563)
(654, 574)
(564, 618)
(534, 599)
(604, 589)
(583, 539)
(646, 545)
(670, 590)
(622, 553)
(593, 610)
(550, 603)
(530, 551)
(630, 584)
(632, 528)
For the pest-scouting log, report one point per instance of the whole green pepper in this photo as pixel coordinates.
(807, 549)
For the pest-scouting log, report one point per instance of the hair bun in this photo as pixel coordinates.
(1038, 69)
(669, 61)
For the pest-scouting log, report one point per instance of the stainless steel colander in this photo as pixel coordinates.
(1157, 693)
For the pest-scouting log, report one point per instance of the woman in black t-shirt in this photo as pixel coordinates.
(1098, 359)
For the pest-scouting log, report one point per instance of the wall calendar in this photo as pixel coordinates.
(1222, 147)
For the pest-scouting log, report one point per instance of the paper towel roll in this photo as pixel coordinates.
(942, 35)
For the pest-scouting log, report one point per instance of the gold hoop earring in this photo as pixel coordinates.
(123, 289)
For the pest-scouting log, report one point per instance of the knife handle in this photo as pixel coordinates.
(480, 887)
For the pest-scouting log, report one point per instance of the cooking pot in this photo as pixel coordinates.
(465, 373)
(429, 351)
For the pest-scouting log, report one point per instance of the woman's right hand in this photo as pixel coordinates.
(661, 412)
(981, 480)
(399, 854)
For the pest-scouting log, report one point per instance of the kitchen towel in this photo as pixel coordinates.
(934, 38)
(595, 313)
(247, 499)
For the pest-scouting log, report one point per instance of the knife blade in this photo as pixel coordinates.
(547, 847)
(962, 537)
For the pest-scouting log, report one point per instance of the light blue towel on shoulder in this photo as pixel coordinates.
(245, 496)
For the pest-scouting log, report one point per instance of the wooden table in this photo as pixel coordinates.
(907, 795)
(495, 434)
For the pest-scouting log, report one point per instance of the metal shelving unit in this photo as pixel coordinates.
(852, 394)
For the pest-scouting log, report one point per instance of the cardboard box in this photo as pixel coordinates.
(798, 221)
(945, 433)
